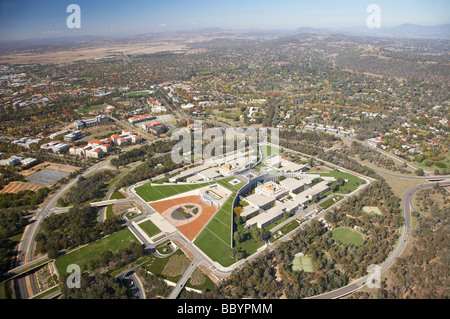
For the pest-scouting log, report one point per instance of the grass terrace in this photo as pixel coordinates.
(149, 228)
(151, 193)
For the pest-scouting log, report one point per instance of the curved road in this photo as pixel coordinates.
(25, 253)
(400, 247)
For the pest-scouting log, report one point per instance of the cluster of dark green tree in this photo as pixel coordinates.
(310, 138)
(154, 285)
(96, 286)
(76, 227)
(431, 201)
(121, 258)
(142, 153)
(335, 157)
(272, 275)
(381, 231)
(12, 222)
(42, 156)
(87, 188)
(148, 169)
(365, 153)
(9, 174)
(423, 272)
(26, 198)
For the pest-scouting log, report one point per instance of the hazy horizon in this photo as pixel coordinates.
(26, 19)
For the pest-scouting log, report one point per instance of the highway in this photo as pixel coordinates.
(26, 247)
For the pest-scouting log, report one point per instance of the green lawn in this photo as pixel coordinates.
(84, 255)
(156, 265)
(267, 150)
(92, 108)
(353, 182)
(151, 193)
(284, 230)
(347, 236)
(331, 201)
(208, 284)
(215, 239)
(140, 93)
(117, 195)
(149, 228)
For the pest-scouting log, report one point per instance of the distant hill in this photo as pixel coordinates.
(23, 44)
(421, 31)
(406, 30)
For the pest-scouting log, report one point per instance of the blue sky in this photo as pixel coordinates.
(25, 19)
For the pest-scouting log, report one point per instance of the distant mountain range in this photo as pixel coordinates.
(402, 31)
(407, 30)
(23, 44)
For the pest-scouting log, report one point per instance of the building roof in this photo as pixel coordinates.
(152, 124)
(260, 200)
(249, 210)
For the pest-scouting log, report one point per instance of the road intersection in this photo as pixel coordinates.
(25, 285)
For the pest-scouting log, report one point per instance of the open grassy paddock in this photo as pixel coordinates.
(85, 254)
(371, 210)
(347, 236)
(352, 182)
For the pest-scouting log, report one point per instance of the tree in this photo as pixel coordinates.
(237, 236)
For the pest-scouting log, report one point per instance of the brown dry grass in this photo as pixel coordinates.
(15, 187)
(48, 165)
(197, 277)
(119, 208)
(68, 56)
(176, 266)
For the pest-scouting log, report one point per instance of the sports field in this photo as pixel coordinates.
(302, 263)
(347, 236)
(371, 210)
